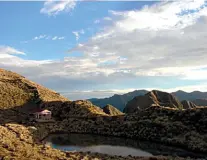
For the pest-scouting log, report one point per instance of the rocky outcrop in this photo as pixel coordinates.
(79, 108)
(188, 104)
(152, 98)
(111, 110)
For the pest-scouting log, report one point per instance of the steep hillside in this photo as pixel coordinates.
(16, 90)
(188, 104)
(111, 110)
(152, 98)
(118, 101)
(18, 93)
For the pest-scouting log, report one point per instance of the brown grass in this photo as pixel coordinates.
(16, 143)
(15, 91)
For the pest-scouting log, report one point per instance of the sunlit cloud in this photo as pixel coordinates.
(55, 7)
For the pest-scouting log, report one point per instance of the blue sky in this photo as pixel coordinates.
(96, 49)
(25, 22)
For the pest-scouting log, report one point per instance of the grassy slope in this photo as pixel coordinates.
(15, 140)
(15, 90)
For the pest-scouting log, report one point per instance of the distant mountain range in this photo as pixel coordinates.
(120, 101)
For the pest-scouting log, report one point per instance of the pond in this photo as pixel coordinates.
(113, 145)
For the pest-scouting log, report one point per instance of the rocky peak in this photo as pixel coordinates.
(111, 110)
(154, 97)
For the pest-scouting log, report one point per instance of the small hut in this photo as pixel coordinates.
(42, 115)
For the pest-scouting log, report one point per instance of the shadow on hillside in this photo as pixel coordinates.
(152, 119)
(60, 110)
(22, 114)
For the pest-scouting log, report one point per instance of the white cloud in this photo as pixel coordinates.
(60, 38)
(57, 38)
(107, 19)
(46, 37)
(6, 50)
(164, 15)
(39, 37)
(189, 88)
(52, 7)
(9, 59)
(54, 38)
(77, 34)
(130, 48)
(24, 41)
(97, 21)
(166, 39)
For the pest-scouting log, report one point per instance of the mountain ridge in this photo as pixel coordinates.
(197, 97)
(152, 98)
(118, 101)
(22, 139)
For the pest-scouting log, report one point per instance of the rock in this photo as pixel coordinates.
(32, 129)
(188, 104)
(157, 98)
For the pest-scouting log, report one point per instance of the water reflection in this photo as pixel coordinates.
(112, 145)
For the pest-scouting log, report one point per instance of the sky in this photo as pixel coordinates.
(86, 49)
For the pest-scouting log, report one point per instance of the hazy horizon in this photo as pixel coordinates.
(78, 95)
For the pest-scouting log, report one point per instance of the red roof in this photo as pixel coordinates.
(40, 110)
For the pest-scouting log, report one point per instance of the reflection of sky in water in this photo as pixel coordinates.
(113, 145)
(105, 149)
(116, 150)
(66, 148)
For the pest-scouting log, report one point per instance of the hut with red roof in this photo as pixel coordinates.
(42, 115)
